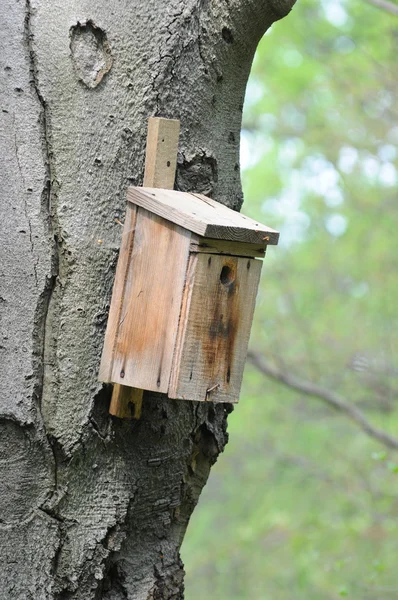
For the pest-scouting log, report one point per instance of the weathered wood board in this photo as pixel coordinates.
(211, 246)
(118, 293)
(126, 402)
(216, 317)
(141, 343)
(161, 152)
(202, 215)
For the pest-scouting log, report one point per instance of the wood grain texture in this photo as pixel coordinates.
(119, 287)
(202, 215)
(211, 246)
(126, 402)
(161, 152)
(149, 317)
(183, 326)
(218, 306)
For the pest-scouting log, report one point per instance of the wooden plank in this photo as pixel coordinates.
(202, 215)
(160, 166)
(126, 402)
(148, 321)
(211, 246)
(211, 346)
(161, 152)
(119, 289)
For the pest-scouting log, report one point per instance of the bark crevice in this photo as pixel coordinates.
(48, 206)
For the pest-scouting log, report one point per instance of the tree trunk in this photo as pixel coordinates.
(92, 506)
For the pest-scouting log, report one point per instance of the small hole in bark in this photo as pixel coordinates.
(122, 373)
(209, 261)
(227, 275)
(227, 35)
(168, 163)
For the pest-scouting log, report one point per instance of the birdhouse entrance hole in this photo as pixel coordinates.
(227, 276)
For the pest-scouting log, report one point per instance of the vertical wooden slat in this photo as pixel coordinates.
(118, 292)
(160, 167)
(126, 402)
(161, 153)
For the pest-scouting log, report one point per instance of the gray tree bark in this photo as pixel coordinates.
(92, 507)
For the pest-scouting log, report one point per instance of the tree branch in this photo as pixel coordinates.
(328, 396)
(389, 7)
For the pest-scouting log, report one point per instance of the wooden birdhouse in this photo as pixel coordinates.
(184, 296)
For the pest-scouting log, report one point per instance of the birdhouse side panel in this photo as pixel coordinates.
(148, 319)
(215, 323)
(126, 247)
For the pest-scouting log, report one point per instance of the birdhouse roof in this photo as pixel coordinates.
(202, 215)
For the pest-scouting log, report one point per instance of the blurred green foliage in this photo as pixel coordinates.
(303, 505)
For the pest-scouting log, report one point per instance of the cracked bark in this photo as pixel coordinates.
(90, 507)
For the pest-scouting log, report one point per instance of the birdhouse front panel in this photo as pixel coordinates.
(214, 329)
(184, 296)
